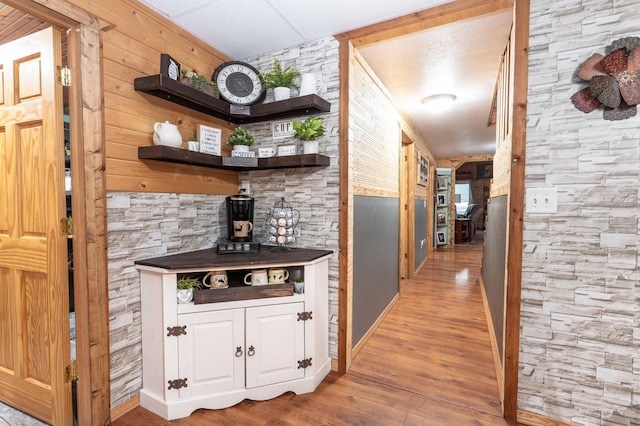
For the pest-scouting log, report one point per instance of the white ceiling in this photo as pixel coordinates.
(461, 58)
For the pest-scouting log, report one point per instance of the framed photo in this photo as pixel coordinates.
(441, 237)
(485, 171)
(441, 200)
(441, 183)
(442, 219)
(423, 170)
(169, 67)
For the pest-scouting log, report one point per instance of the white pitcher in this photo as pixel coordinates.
(167, 134)
(310, 84)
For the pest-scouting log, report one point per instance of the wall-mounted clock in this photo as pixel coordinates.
(239, 83)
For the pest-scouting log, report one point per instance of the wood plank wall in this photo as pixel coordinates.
(132, 49)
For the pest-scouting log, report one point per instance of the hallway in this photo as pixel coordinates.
(428, 363)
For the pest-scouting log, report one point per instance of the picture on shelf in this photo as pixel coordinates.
(442, 200)
(442, 219)
(441, 237)
(442, 183)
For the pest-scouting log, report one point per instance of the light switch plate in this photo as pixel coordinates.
(541, 200)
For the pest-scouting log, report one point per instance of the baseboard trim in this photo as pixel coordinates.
(497, 361)
(124, 408)
(373, 328)
(531, 419)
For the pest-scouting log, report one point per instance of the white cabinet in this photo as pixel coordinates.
(214, 355)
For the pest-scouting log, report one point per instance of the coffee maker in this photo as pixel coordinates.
(239, 225)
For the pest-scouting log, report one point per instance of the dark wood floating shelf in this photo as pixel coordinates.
(163, 87)
(183, 156)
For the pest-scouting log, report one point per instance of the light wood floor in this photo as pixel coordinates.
(428, 363)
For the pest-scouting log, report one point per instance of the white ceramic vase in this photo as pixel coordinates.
(241, 148)
(184, 295)
(310, 147)
(281, 93)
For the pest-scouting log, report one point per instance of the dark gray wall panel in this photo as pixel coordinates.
(420, 226)
(376, 238)
(493, 263)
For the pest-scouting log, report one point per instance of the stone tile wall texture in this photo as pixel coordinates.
(580, 327)
(313, 191)
(140, 226)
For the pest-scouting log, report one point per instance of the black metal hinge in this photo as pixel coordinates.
(305, 363)
(303, 316)
(177, 384)
(178, 330)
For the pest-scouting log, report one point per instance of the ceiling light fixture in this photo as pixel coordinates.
(439, 102)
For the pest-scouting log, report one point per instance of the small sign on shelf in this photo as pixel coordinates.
(209, 139)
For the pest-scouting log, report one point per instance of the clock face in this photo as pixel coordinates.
(239, 83)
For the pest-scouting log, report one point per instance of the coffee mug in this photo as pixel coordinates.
(266, 152)
(256, 277)
(241, 228)
(216, 279)
(278, 275)
(310, 84)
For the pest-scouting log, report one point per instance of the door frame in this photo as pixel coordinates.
(88, 200)
(449, 13)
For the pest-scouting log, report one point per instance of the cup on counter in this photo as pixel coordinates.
(278, 275)
(216, 279)
(241, 228)
(257, 277)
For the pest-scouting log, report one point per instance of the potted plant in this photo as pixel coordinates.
(308, 132)
(281, 80)
(240, 139)
(199, 82)
(298, 285)
(185, 287)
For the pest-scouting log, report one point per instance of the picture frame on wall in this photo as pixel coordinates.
(441, 183)
(485, 171)
(169, 67)
(441, 200)
(423, 170)
(442, 219)
(441, 237)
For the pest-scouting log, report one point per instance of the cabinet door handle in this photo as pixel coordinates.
(251, 351)
(239, 351)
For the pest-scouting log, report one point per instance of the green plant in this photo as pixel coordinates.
(299, 280)
(279, 77)
(240, 137)
(309, 130)
(186, 283)
(192, 139)
(198, 81)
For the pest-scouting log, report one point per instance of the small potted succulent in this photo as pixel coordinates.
(185, 287)
(308, 132)
(240, 139)
(298, 285)
(199, 82)
(281, 80)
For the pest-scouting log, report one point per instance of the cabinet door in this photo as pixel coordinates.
(275, 344)
(211, 354)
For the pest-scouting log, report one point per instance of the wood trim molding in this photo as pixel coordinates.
(516, 210)
(125, 407)
(61, 13)
(497, 361)
(531, 419)
(422, 20)
(375, 326)
(345, 281)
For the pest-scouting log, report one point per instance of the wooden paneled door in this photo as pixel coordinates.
(34, 295)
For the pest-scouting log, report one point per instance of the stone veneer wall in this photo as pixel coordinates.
(313, 191)
(580, 328)
(140, 226)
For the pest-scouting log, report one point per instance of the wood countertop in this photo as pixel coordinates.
(209, 258)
